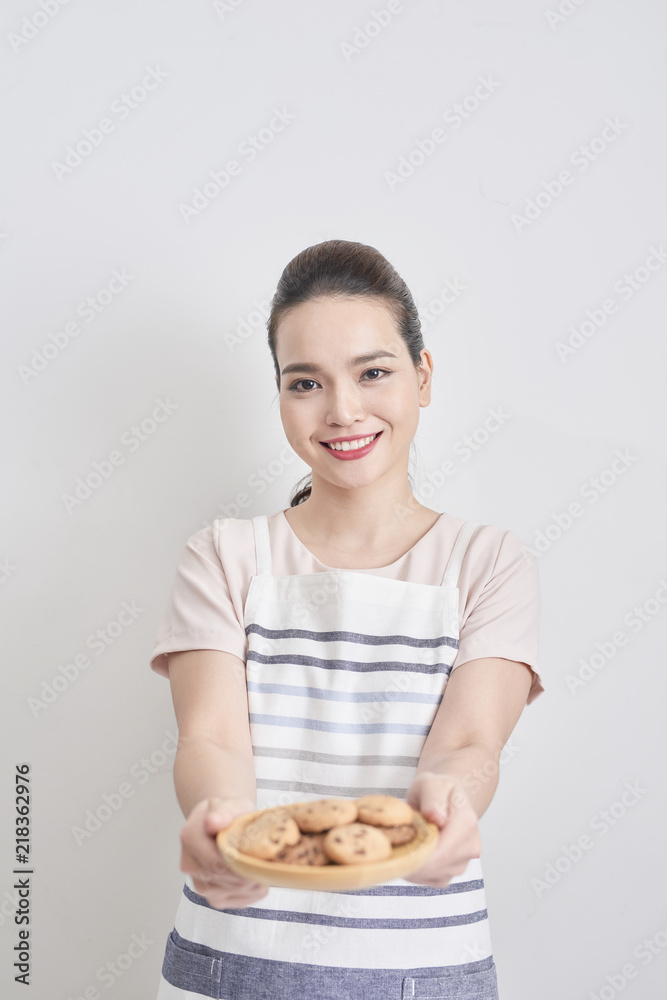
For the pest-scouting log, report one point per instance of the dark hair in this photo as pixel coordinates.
(340, 268)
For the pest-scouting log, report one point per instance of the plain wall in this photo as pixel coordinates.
(552, 315)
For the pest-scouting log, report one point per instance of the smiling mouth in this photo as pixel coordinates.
(352, 445)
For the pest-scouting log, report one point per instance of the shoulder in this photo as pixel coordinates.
(492, 552)
(500, 569)
(487, 541)
(223, 547)
(491, 541)
(232, 540)
(233, 534)
(223, 535)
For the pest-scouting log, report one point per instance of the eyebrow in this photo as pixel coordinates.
(361, 359)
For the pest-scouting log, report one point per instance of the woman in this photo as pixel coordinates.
(356, 642)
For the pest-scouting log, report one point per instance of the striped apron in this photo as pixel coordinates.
(345, 671)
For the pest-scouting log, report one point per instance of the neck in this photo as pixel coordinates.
(372, 517)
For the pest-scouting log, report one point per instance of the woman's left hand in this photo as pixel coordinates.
(443, 800)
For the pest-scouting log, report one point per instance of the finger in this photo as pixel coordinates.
(203, 857)
(430, 875)
(223, 901)
(228, 809)
(455, 847)
(202, 844)
(217, 820)
(213, 872)
(431, 798)
(460, 837)
(223, 897)
(229, 881)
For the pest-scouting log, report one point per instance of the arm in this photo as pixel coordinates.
(214, 774)
(457, 773)
(214, 754)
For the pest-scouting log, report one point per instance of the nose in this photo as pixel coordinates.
(344, 406)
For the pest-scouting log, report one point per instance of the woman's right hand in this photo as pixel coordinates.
(201, 858)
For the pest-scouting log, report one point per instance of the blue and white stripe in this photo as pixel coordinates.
(345, 673)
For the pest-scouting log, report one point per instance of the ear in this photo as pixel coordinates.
(425, 373)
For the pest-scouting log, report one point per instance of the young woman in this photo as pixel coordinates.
(355, 642)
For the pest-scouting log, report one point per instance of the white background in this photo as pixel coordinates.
(175, 332)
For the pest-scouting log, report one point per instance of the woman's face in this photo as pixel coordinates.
(328, 391)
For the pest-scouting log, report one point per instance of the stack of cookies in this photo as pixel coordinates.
(330, 831)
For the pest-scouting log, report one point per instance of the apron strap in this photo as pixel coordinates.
(451, 574)
(262, 545)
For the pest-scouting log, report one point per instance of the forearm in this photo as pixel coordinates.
(203, 769)
(475, 766)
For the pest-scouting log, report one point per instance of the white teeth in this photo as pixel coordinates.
(352, 445)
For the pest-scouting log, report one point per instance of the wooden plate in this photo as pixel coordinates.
(404, 859)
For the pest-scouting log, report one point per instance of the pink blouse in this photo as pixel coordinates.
(499, 591)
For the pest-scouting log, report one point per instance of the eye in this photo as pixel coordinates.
(381, 370)
(294, 387)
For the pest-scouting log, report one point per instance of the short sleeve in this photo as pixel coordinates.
(201, 612)
(500, 602)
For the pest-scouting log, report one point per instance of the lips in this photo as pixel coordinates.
(351, 442)
(347, 453)
(354, 437)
